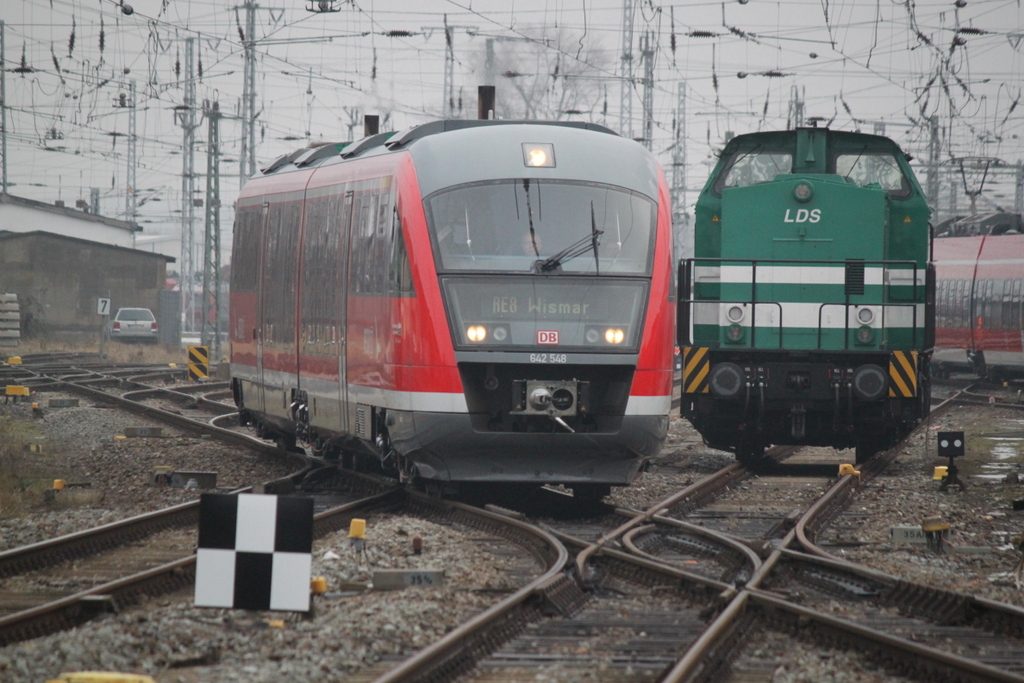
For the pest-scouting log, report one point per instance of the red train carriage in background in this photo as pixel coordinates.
(979, 295)
(466, 301)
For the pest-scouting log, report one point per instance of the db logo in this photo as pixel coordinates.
(547, 336)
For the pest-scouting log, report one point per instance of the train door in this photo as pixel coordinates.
(277, 338)
(247, 258)
(341, 257)
(367, 315)
(321, 306)
(260, 307)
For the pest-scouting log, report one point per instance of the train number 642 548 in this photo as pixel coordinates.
(548, 358)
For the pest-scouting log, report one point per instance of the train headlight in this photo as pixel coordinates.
(865, 335)
(476, 333)
(865, 316)
(539, 154)
(869, 382)
(500, 333)
(614, 335)
(734, 333)
(735, 314)
(803, 192)
(592, 336)
(726, 380)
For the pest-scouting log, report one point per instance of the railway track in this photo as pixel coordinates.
(674, 592)
(107, 568)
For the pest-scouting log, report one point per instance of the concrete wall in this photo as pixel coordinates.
(58, 280)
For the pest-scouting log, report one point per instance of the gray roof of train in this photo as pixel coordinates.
(494, 153)
(447, 153)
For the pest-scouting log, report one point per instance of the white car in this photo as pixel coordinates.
(134, 324)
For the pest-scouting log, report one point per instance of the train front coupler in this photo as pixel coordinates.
(555, 399)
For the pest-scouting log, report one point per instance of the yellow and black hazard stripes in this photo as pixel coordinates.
(696, 365)
(903, 374)
(198, 363)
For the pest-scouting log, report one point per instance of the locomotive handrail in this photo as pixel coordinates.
(887, 264)
(846, 324)
(753, 304)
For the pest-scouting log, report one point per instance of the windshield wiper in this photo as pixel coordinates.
(577, 248)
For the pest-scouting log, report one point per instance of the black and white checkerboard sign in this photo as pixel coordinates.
(255, 552)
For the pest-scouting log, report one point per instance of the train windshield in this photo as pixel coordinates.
(528, 225)
(873, 168)
(755, 166)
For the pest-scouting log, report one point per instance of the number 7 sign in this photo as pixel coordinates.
(103, 306)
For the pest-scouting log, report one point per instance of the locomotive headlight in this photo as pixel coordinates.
(735, 314)
(592, 336)
(539, 154)
(476, 333)
(734, 333)
(865, 316)
(500, 333)
(865, 334)
(803, 192)
(614, 335)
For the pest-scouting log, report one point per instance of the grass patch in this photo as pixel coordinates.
(118, 352)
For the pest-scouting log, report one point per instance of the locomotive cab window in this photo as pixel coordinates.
(873, 168)
(512, 225)
(748, 167)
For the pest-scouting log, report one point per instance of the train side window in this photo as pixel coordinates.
(362, 231)
(319, 298)
(942, 303)
(279, 277)
(1015, 305)
(380, 246)
(400, 280)
(964, 304)
(246, 249)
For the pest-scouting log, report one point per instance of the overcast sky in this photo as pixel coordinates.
(853, 63)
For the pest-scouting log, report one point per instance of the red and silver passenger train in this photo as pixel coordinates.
(462, 302)
(980, 304)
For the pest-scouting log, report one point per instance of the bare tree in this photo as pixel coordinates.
(545, 74)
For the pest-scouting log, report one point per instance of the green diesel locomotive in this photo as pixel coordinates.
(807, 313)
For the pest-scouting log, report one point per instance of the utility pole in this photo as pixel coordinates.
(796, 108)
(933, 163)
(247, 159)
(3, 105)
(680, 219)
(447, 111)
(94, 201)
(448, 106)
(211, 244)
(626, 90)
(647, 53)
(952, 181)
(1018, 190)
(130, 199)
(186, 117)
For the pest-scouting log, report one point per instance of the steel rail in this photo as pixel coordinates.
(457, 649)
(178, 420)
(75, 609)
(690, 665)
(730, 542)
